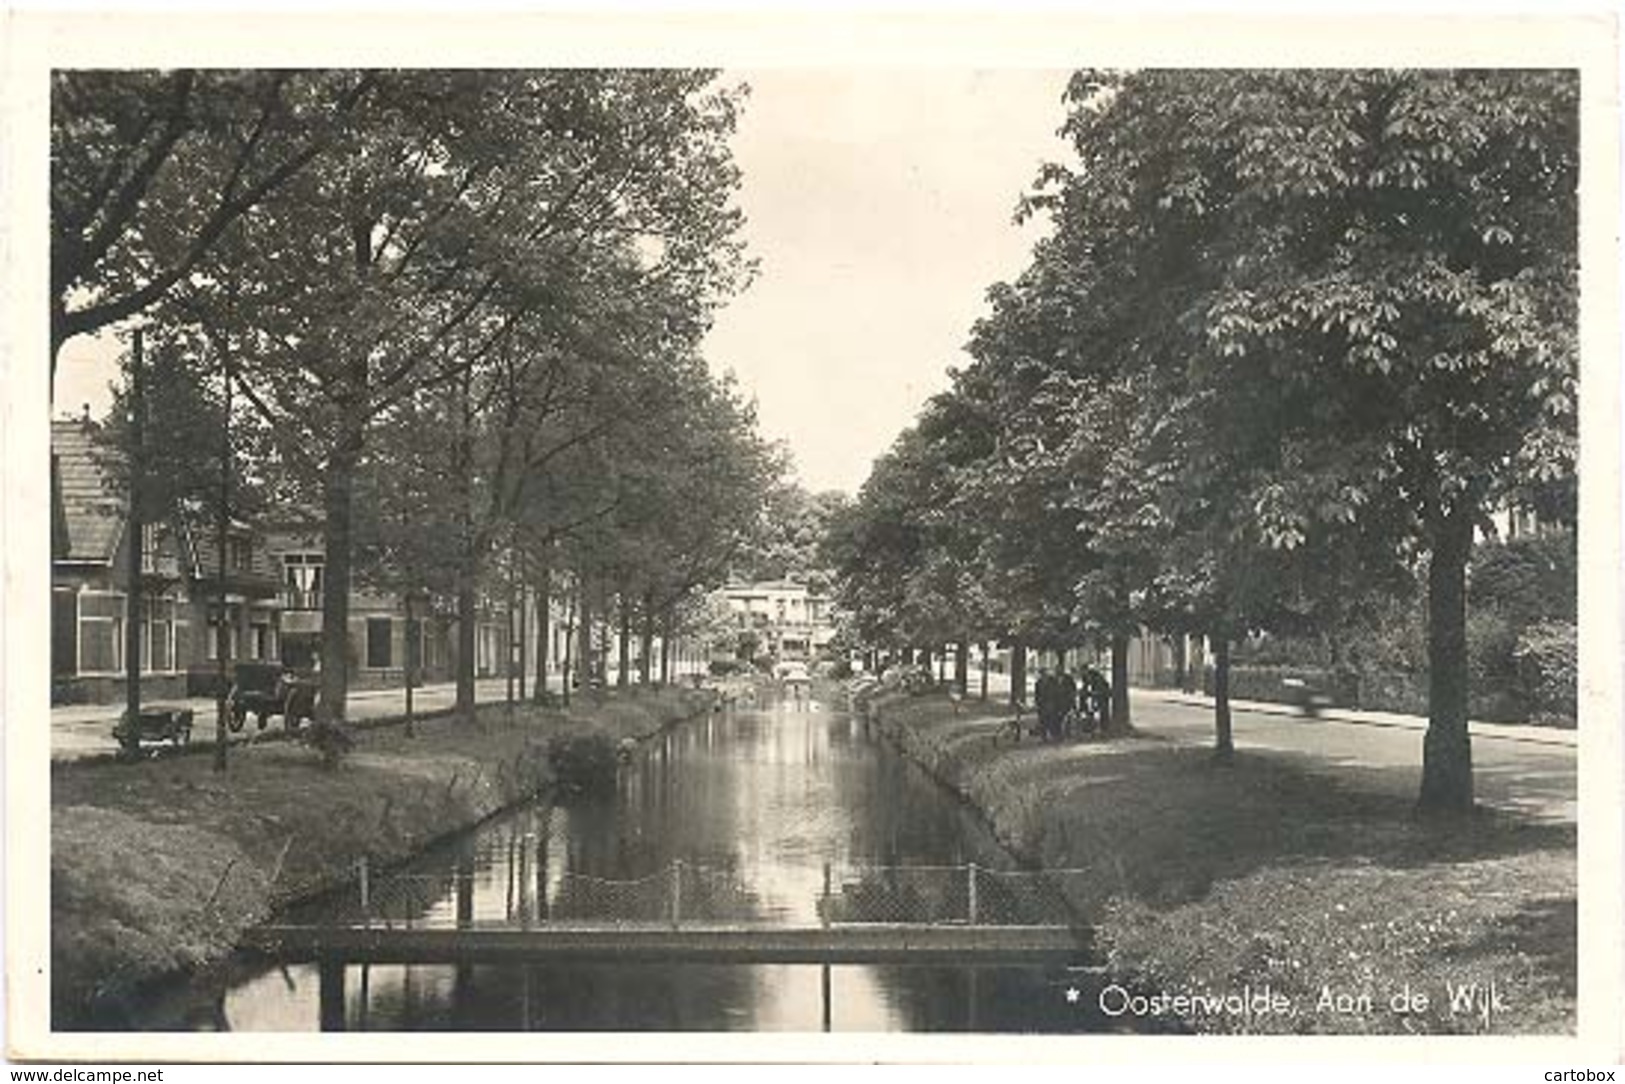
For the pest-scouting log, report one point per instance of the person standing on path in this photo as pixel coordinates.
(1100, 692)
(1045, 697)
(1066, 704)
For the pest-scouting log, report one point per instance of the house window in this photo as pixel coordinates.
(101, 632)
(260, 642)
(378, 642)
(239, 555)
(233, 647)
(302, 576)
(158, 648)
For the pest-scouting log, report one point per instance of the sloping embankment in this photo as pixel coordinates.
(1212, 879)
(157, 867)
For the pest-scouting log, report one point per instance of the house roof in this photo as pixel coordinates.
(87, 516)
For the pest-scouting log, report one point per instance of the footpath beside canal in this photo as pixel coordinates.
(158, 867)
(1217, 880)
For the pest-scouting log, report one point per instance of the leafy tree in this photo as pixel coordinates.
(795, 524)
(1379, 266)
(469, 208)
(186, 472)
(149, 169)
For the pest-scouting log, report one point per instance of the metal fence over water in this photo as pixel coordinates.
(522, 894)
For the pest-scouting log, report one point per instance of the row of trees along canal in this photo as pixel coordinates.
(1291, 338)
(454, 315)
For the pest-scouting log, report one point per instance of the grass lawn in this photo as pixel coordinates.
(1209, 878)
(157, 867)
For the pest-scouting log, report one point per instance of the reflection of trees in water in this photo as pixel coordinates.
(535, 997)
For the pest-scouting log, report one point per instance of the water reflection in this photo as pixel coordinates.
(737, 817)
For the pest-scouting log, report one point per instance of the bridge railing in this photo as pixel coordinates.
(967, 893)
(522, 893)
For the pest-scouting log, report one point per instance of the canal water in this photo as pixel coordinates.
(757, 808)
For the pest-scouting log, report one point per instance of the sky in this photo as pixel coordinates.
(879, 205)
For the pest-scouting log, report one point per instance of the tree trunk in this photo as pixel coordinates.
(1447, 753)
(584, 630)
(1181, 662)
(544, 591)
(507, 638)
(1120, 722)
(524, 636)
(337, 490)
(414, 650)
(566, 662)
(984, 671)
(467, 558)
(130, 743)
(600, 665)
(1224, 746)
(665, 651)
(467, 616)
(646, 638)
(962, 667)
(623, 647)
(1018, 672)
(222, 524)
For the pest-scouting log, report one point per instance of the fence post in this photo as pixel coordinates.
(510, 879)
(972, 907)
(524, 881)
(676, 892)
(366, 891)
(823, 909)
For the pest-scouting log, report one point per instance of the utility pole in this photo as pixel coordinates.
(222, 525)
(130, 741)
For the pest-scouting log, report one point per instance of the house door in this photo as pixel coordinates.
(64, 632)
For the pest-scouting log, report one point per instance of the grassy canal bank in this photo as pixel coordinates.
(157, 867)
(1213, 880)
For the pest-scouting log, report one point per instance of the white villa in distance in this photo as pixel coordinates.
(793, 622)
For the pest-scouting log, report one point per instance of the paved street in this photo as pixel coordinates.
(1524, 768)
(86, 729)
(82, 730)
(1527, 769)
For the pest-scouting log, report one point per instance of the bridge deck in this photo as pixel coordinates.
(856, 944)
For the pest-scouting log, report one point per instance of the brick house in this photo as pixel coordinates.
(273, 588)
(383, 642)
(180, 585)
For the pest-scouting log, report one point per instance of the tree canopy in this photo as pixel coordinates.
(1291, 331)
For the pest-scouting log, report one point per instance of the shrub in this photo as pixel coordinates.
(329, 740)
(1529, 579)
(918, 680)
(1548, 668)
(67, 692)
(583, 762)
